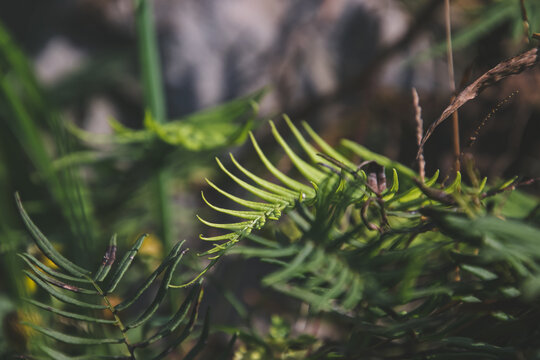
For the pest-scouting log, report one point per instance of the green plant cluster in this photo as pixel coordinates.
(410, 270)
(382, 263)
(90, 292)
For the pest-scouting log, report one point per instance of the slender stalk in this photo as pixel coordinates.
(119, 322)
(419, 133)
(155, 102)
(451, 79)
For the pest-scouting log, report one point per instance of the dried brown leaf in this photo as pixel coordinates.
(504, 69)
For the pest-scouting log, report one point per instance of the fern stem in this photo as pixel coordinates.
(113, 311)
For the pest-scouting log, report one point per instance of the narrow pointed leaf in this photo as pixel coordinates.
(279, 190)
(310, 150)
(249, 204)
(272, 198)
(30, 259)
(482, 273)
(61, 296)
(299, 293)
(202, 338)
(229, 352)
(69, 339)
(354, 294)
(311, 173)
(125, 263)
(291, 183)
(46, 247)
(185, 332)
(53, 281)
(327, 148)
(293, 267)
(482, 185)
(383, 160)
(508, 183)
(70, 315)
(456, 184)
(264, 253)
(108, 260)
(228, 236)
(232, 226)
(160, 295)
(166, 262)
(339, 287)
(236, 213)
(395, 186)
(177, 319)
(415, 192)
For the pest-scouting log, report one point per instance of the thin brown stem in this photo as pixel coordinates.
(451, 79)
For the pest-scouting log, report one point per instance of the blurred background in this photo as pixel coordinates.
(345, 66)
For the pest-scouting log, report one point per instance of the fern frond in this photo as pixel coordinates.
(285, 196)
(378, 256)
(85, 299)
